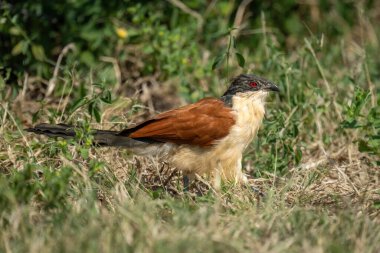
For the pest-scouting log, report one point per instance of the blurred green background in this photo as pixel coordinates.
(167, 39)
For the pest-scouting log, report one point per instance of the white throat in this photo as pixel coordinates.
(250, 110)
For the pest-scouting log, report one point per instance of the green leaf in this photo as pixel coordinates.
(240, 59)
(87, 58)
(107, 98)
(94, 111)
(38, 52)
(14, 30)
(218, 60)
(19, 48)
(84, 152)
(97, 115)
(78, 103)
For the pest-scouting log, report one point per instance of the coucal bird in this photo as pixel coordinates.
(207, 137)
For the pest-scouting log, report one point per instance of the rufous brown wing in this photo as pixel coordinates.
(201, 124)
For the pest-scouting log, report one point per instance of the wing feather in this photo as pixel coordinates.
(201, 124)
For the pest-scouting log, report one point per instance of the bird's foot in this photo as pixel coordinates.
(186, 183)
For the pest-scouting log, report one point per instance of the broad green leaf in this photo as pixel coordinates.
(38, 52)
(240, 59)
(94, 111)
(97, 115)
(78, 103)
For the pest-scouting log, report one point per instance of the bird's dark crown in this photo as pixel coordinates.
(248, 83)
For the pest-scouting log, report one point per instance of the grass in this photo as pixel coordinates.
(312, 209)
(316, 156)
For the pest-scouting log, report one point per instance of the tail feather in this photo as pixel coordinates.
(60, 130)
(101, 137)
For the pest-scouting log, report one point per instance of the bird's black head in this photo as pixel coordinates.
(249, 83)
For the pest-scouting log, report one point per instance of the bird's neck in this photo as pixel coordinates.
(249, 111)
(257, 97)
(255, 101)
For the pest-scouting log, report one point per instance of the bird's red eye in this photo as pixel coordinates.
(253, 84)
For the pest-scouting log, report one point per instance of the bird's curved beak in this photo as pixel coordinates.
(271, 87)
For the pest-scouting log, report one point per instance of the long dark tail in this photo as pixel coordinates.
(101, 137)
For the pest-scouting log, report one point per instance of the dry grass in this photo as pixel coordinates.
(327, 203)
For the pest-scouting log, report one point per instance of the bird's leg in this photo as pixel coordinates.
(257, 191)
(186, 182)
(186, 179)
